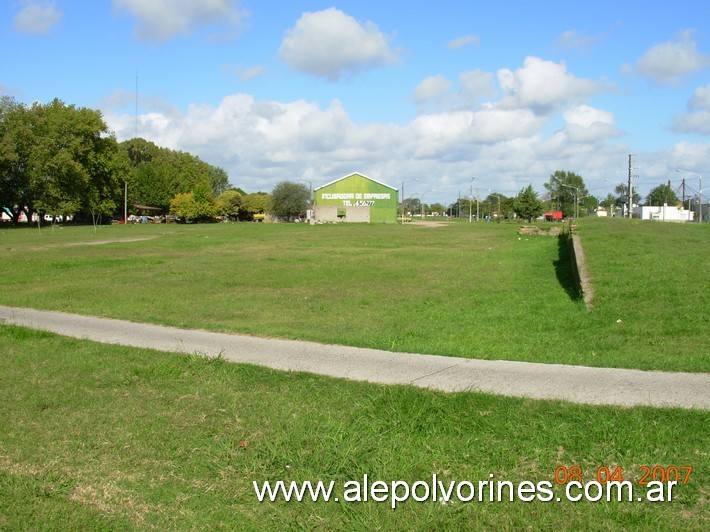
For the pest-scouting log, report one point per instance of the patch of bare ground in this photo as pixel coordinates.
(424, 223)
(533, 230)
(110, 241)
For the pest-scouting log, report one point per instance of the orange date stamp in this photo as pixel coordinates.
(646, 474)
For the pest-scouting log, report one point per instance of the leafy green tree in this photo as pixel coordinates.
(184, 207)
(57, 158)
(15, 145)
(436, 207)
(412, 205)
(229, 203)
(219, 180)
(206, 202)
(159, 174)
(608, 203)
(196, 206)
(499, 203)
(561, 186)
(527, 205)
(622, 194)
(289, 199)
(662, 194)
(254, 203)
(588, 204)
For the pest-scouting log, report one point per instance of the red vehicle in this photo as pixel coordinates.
(554, 216)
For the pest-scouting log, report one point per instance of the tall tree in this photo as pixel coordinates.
(59, 158)
(527, 205)
(662, 194)
(412, 205)
(15, 146)
(622, 194)
(218, 180)
(587, 205)
(159, 174)
(289, 199)
(565, 187)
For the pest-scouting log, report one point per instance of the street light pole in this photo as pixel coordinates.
(700, 194)
(478, 201)
(470, 203)
(403, 182)
(576, 193)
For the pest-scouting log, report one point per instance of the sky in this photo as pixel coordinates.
(449, 98)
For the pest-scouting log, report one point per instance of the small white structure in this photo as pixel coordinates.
(600, 212)
(664, 213)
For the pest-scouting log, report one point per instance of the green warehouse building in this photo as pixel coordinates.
(355, 198)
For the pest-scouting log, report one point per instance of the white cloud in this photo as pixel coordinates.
(161, 20)
(690, 156)
(261, 142)
(244, 74)
(572, 39)
(252, 72)
(331, 43)
(37, 18)
(431, 88)
(435, 92)
(669, 62)
(701, 98)
(463, 41)
(493, 125)
(587, 124)
(544, 85)
(697, 119)
(476, 84)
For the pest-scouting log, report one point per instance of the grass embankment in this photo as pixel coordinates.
(471, 290)
(106, 437)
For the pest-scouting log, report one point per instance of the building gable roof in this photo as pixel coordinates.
(361, 175)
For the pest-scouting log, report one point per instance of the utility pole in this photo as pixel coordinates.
(683, 185)
(470, 202)
(631, 188)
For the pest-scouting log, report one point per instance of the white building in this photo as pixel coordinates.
(664, 213)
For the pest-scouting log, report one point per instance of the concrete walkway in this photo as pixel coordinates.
(520, 379)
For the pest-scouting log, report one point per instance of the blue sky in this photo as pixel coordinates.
(502, 92)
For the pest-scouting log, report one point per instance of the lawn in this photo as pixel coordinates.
(471, 290)
(106, 437)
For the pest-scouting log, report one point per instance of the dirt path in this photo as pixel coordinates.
(600, 386)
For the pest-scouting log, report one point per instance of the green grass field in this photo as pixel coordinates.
(100, 437)
(471, 290)
(106, 437)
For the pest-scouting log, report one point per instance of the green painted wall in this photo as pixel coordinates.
(357, 190)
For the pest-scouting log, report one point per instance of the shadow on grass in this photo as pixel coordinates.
(563, 268)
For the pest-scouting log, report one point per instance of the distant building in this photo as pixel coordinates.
(664, 213)
(600, 212)
(355, 198)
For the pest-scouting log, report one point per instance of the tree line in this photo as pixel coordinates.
(62, 159)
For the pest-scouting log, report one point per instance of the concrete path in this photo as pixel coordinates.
(520, 379)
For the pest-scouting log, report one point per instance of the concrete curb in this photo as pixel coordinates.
(578, 384)
(579, 265)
